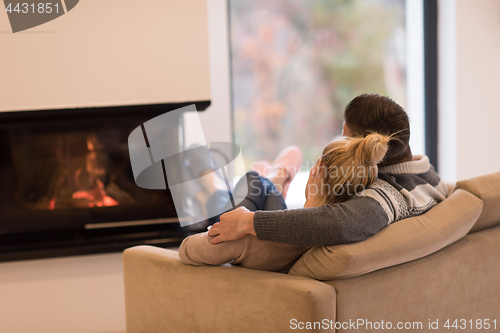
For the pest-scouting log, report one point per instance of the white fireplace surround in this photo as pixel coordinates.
(108, 53)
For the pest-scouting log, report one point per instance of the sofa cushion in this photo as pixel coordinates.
(400, 242)
(486, 188)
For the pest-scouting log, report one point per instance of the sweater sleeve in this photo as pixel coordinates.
(197, 250)
(352, 221)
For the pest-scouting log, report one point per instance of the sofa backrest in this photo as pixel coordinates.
(400, 242)
(486, 188)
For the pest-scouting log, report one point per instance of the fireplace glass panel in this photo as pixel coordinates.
(61, 175)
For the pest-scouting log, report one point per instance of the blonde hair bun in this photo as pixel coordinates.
(372, 148)
(350, 165)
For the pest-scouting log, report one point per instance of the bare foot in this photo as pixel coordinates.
(285, 167)
(261, 167)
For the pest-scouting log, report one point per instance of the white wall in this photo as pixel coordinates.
(76, 294)
(415, 74)
(108, 53)
(216, 120)
(469, 141)
(85, 294)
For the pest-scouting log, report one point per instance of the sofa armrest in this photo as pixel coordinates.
(164, 295)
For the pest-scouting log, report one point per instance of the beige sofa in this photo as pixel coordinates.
(418, 274)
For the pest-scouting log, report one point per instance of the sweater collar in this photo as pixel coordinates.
(420, 164)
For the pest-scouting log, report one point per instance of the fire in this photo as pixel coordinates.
(96, 197)
(87, 181)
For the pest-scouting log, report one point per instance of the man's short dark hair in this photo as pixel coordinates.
(370, 113)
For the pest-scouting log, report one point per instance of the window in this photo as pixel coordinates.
(295, 65)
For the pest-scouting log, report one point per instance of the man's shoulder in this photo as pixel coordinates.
(407, 194)
(417, 176)
(388, 196)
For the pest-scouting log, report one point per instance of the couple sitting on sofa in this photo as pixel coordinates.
(361, 183)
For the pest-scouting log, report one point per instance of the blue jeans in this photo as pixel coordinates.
(262, 195)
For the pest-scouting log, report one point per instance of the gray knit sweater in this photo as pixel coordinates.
(401, 190)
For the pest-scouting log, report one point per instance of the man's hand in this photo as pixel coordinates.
(233, 225)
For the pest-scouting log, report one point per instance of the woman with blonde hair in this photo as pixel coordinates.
(347, 166)
(345, 169)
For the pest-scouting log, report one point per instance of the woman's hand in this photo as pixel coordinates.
(233, 225)
(314, 188)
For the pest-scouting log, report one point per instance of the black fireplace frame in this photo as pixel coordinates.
(101, 237)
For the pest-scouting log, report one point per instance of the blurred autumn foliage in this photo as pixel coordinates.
(295, 64)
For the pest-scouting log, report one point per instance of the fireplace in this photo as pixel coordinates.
(68, 188)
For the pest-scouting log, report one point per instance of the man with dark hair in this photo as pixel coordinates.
(380, 114)
(407, 186)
